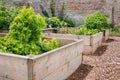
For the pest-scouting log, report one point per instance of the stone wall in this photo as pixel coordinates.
(78, 9)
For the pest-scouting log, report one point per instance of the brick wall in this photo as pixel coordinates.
(78, 9)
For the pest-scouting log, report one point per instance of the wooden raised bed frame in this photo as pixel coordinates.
(57, 64)
(50, 30)
(91, 43)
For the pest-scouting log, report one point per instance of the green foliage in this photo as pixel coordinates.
(25, 36)
(115, 30)
(53, 22)
(70, 23)
(96, 21)
(49, 44)
(26, 25)
(1, 44)
(7, 15)
(25, 33)
(84, 31)
(63, 23)
(78, 31)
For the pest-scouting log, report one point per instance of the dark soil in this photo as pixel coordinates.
(104, 64)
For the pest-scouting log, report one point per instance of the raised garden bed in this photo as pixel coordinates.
(105, 35)
(57, 64)
(91, 42)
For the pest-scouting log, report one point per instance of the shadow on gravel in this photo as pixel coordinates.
(81, 72)
(110, 40)
(100, 51)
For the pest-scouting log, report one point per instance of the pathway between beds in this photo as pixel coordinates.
(103, 65)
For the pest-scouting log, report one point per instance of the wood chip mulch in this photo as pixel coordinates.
(104, 64)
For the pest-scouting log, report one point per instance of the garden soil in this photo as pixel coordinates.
(104, 64)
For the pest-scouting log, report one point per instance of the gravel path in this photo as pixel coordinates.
(104, 64)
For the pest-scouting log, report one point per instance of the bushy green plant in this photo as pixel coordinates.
(96, 21)
(7, 15)
(63, 23)
(70, 23)
(49, 44)
(53, 22)
(25, 34)
(85, 31)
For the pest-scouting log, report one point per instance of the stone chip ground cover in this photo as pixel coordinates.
(103, 65)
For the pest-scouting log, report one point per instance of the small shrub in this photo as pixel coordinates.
(96, 21)
(63, 24)
(25, 35)
(49, 44)
(70, 23)
(53, 22)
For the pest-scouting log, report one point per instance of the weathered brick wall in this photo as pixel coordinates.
(78, 9)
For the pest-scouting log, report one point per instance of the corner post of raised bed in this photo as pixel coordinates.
(105, 35)
(30, 63)
(101, 39)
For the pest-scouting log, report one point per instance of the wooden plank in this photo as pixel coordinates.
(13, 68)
